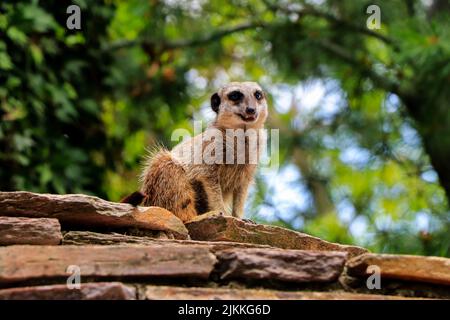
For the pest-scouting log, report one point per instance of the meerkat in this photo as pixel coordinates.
(175, 181)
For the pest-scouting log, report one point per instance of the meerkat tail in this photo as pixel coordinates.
(134, 199)
(166, 185)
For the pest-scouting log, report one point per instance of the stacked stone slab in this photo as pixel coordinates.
(118, 251)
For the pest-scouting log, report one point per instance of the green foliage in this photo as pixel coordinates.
(78, 108)
(49, 84)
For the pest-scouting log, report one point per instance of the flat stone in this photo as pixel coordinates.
(395, 287)
(112, 238)
(89, 211)
(180, 293)
(404, 267)
(215, 227)
(41, 263)
(29, 231)
(87, 291)
(296, 266)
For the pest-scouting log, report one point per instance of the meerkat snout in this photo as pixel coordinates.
(250, 110)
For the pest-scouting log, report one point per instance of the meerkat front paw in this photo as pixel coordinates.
(215, 213)
(249, 221)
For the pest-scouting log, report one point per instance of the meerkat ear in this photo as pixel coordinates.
(215, 102)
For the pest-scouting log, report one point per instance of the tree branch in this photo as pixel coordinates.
(309, 10)
(438, 6)
(328, 46)
(213, 36)
(346, 56)
(182, 43)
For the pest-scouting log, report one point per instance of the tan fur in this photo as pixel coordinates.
(168, 177)
(165, 184)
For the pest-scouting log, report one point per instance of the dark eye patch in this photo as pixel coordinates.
(258, 95)
(235, 96)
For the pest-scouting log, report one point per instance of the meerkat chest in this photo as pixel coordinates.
(233, 176)
(241, 147)
(240, 158)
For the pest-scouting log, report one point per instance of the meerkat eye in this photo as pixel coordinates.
(235, 96)
(258, 95)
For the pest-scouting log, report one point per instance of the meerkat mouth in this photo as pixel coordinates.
(247, 118)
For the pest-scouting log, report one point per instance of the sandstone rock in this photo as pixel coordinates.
(87, 291)
(88, 211)
(29, 231)
(180, 293)
(88, 237)
(396, 287)
(297, 266)
(41, 263)
(404, 267)
(110, 238)
(214, 227)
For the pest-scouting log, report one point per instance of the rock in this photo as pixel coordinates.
(405, 267)
(87, 291)
(111, 238)
(214, 227)
(88, 237)
(29, 231)
(396, 287)
(296, 266)
(180, 293)
(88, 211)
(41, 263)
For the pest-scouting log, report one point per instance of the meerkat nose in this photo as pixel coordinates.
(250, 110)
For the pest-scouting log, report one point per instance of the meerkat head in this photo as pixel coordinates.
(239, 105)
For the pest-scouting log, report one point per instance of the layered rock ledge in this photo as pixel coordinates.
(117, 251)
